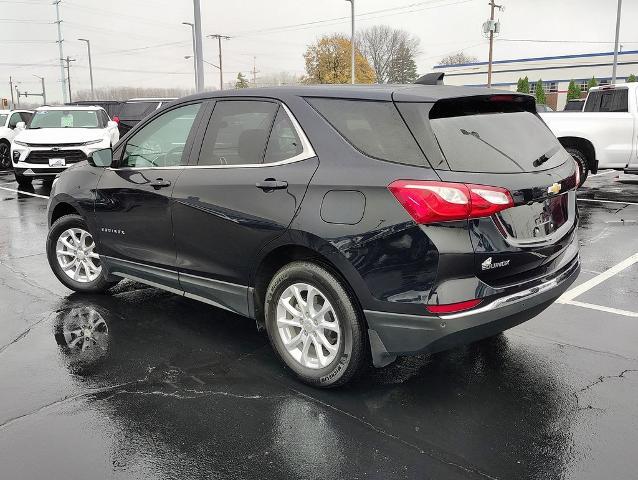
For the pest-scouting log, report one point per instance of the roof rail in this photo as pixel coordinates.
(434, 78)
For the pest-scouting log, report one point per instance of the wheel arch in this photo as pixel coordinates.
(583, 145)
(283, 253)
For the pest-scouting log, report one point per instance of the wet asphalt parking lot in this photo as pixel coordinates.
(170, 388)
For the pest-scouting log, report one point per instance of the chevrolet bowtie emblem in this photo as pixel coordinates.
(555, 188)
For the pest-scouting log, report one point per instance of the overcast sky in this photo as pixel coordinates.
(142, 42)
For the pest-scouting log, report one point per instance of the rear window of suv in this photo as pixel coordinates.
(373, 127)
(137, 110)
(477, 139)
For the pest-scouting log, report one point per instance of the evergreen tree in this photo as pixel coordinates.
(539, 93)
(241, 81)
(403, 67)
(631, 78)
(592, 83)
(573, 91)
(523, 85)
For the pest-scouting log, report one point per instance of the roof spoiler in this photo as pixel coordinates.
(434, 78)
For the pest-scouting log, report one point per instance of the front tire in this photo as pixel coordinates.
(72, 256)
(23, 181)
(313, 325)
(5, 155)
(581, 160)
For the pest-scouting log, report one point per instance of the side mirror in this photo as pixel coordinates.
(111, 124)
(21, 126)
(101, 158)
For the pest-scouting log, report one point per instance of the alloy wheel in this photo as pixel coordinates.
(75, 252)
(5, 156)
(308, 326)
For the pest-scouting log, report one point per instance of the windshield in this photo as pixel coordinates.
(3, 118)
(65, 119)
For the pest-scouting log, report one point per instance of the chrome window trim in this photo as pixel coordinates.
(308, 152)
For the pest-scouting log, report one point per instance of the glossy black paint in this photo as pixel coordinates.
(214, 228)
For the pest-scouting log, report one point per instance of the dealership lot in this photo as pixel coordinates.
(172, 384)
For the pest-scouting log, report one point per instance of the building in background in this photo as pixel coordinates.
(556, 72)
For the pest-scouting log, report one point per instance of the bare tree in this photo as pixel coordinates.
(383, 45)
(124, 93)
(457, 58)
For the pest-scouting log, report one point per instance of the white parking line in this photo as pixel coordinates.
(605, 201)
(24, 193)
(604, 172)
(616, 311)
(570, 295)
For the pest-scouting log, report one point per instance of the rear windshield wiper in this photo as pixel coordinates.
(478, 137)
(543, 158)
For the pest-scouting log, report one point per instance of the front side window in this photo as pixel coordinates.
(65, 119)
(374, 128)
(284, 143)
(237, 133)
(161, 142)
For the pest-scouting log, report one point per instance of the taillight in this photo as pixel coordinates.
(577, 175)
(431, 201)
(454, 307)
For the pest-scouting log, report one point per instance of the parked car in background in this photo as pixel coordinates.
(602, 136)
(57, 137)
(112, 107)
(541, 107)
(9, 120)
(350, 221)
(134, 110)
(575, 105)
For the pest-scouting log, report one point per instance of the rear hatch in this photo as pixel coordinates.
(500, 141)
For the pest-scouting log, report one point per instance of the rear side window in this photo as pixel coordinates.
(509, 141)
(237, 132)
(616, 100)
(284, 143)
(374, 128)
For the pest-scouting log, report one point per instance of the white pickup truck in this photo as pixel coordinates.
(604, 134)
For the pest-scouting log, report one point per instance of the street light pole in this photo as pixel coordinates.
(613, 73)
(88, 46)
(199, 55)
(44, 91)
(197, 89)
(352, 71)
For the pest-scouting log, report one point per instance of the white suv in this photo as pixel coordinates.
(9, 119)
(57, 137)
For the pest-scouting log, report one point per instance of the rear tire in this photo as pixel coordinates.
(336, 341)
(71, 255)
(581, 160)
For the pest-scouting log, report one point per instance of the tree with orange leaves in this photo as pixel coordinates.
(328, 61)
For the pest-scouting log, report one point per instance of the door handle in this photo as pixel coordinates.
(271, 184)
(160, 183)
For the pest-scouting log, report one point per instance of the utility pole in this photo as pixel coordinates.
(352, 71)
(492, 27)
(11, 88)
(199, 54)
(17, 95)
(221, 72)
(255, 71)
(68, 61)
(194, 54)
(88, 46)
(44, 91)
(615, 67)
(60, 40)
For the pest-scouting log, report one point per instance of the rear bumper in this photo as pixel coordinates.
(393, 334)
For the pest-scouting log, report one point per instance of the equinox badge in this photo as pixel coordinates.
(488, 265)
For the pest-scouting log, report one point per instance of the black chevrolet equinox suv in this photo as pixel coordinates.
(353, 223)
